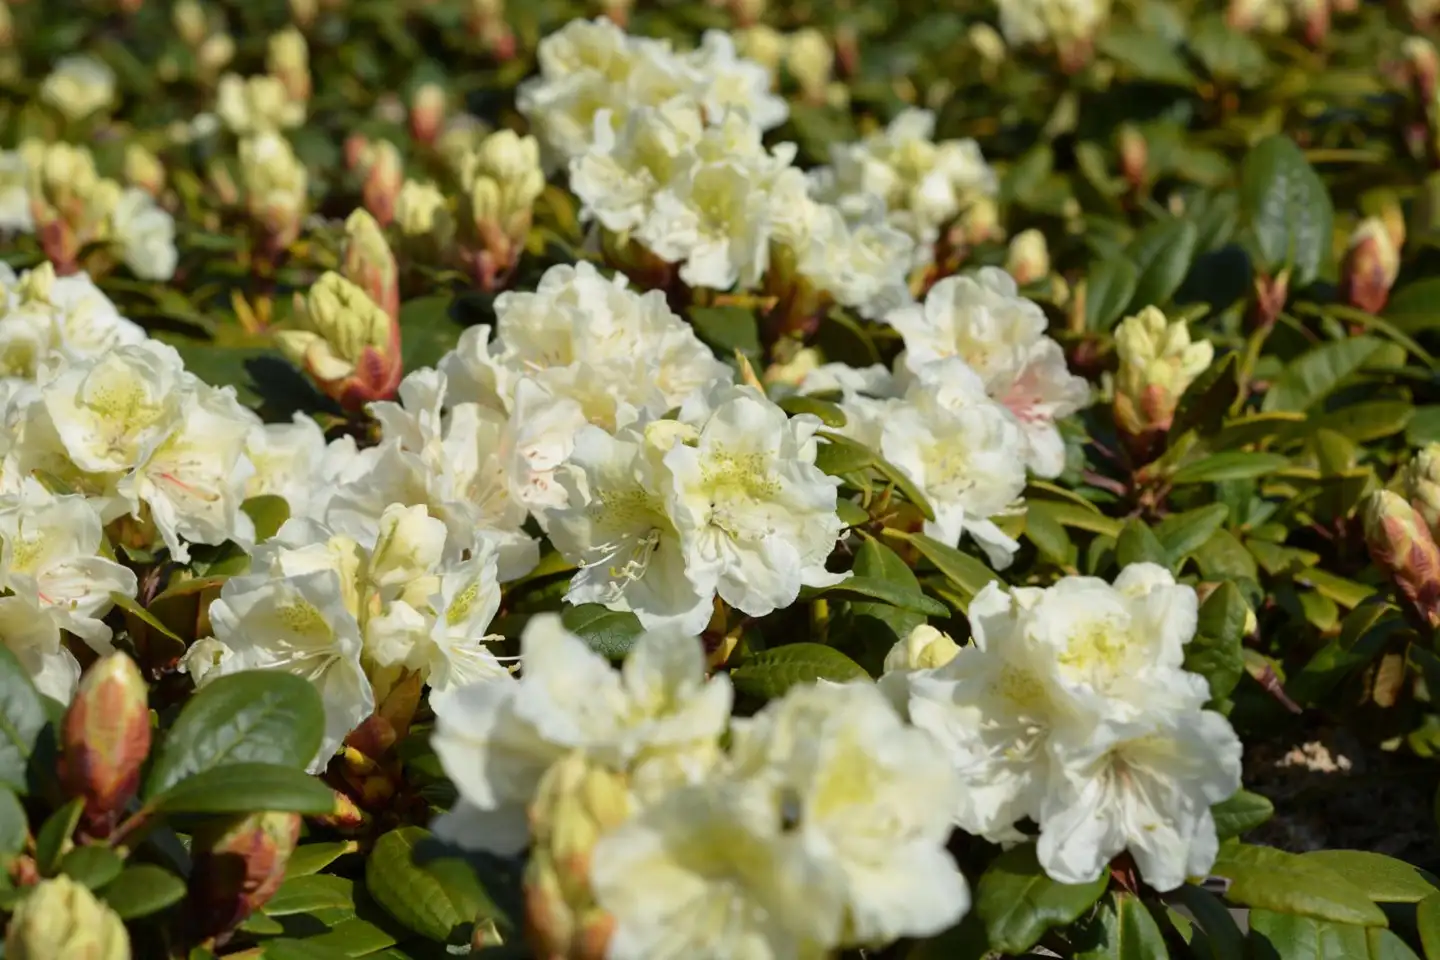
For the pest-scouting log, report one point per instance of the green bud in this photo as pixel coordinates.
(61, 920)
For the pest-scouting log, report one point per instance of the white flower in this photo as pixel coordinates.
(50, 562)
(871, 799)
(194, 481)
(658, 719)
(732, 82)
(1054, 21)
(756, 516)
(145, 234)
(924, 648)
(46, 322)
(1149, 791)
(288, 459)
(299, 624)
(617, 178)
(963, 452)
(256, 105)
(78, 86)
(712, 872)
(983, 321)
(112, 412)
(201, 659)
(616, 528)
(14, 195)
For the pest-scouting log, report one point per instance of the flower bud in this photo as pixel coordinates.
(1423, 12)
(1370, 266)
(368, 262)
(1419, 481)
(348, 343)
(924, 649)
(987, 43)
(1157, 363)
(1401, 545)
(503, 179)
(575, 804)
(144, 170)
(383, 178)
(304, 12)
(7, 26)
(419, 209)
(288, 58)
(61, 920)
(258, 104)
(106, 740)
(1028, 258)
(427, 112)
(79, 86)
(346, 815)
(458, 142)
(487, 24)
(215, 53)
(747, 12)
(810, 60)
(1134, 156)
(276, 187)
(239, 864)
(763, 44)
(189, 20)
(1315, 15)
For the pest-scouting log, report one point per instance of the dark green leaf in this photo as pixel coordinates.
(1287, 211)
(1046, 531)
(1122, 929)
(1203, 405)
(1183, 533)
(1144, 56)
(726, 330)
(262, 716)
(610, 633)
(841, 455)
(1312, 377)
(55, 833)
(1217, 652)
(1415, 306)
(441, 900)
(1244, 811)
(141, 890)
(1018, 902)
(306, 894)
(1138, 544)
(1162, 252)
(14, 828)
(246, 787)
(311, 858)
(1287, 936)
(427, 332)
(885, 591)
(1109, 288)
(1230, 465)
(22, 716)
(1219, 936)
(770, 673)
(1269, 879)
(92, 866)
(877, 561)
(961, 569)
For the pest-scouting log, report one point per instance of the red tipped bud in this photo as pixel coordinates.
(368, 263)
(1401, 545)
(106, 739)
(1370, 267)
(383, 180)
(427, 112)
(239, 864)
(1134, 157)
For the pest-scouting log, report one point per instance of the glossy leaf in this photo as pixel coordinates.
(1018, 902)
(770, 673)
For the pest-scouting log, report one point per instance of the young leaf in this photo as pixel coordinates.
(255, 716)
(441, 900)
(1018, 902)
(770, 673)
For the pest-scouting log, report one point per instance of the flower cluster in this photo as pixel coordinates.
(824, 824)
(1072, 708)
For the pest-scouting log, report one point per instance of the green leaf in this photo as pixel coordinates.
(1138, 544)
(263, 716)
(830, 414)
(427, 331)
(1243, 811)
(308, 894)
(269, 513)
(1182, 534)
(285, 948)
(441, 900)
(610, 633)
(1415, 306)
(905, 485)
(141, 890)
(1219, 937)
(1203, 405)
(132, 607)
(885, 591)
(1287, 936)
(726, 330)
(961, 569)
(92, 866)
(311, 858)
(1316, 373)
(1286, 210)
(1269, 879)
(1162, 251)
(22, 717)
(770, 673)
(1018, 902)
(1427, 919)
(1363, 422)
(1217, 652)
(877, 561)
(354, 937)
(1122, 929)
(14, 827)
(1109, 287)
(1046, 531)
(1146, 57)
(1384, 879)
(1229, 465)
(841, 455)
(54, 833)
(246, 787)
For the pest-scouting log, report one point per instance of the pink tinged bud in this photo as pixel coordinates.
(357, 151)
(1370, 267)
(383, 182)
(1401, 545)
(239, 864)
(427, 112)
(368, 263)
(1270, 296)
(1317, 21)
(1134, 157)
(106, 739)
